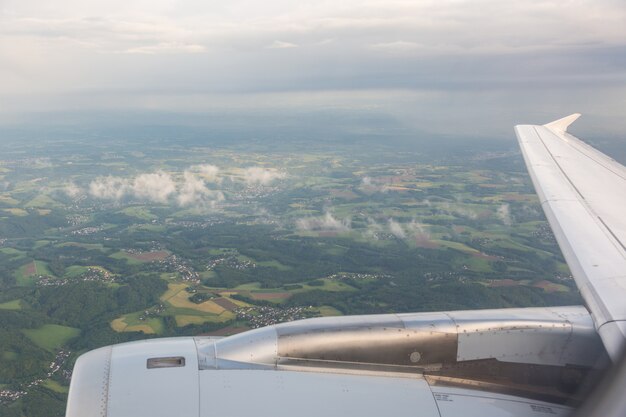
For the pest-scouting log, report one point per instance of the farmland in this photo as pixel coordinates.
(101, 247)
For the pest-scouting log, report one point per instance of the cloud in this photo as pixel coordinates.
(369, 186)
(324, 223)
(156, 187)
(397, 46)
(418, 229)
(261, 176)
(208, 172)
(193, 192)
(72, 190)
(504, 214)
(373, 229)
(459, 210)
(420, 61)
(396, 229)
(282, 45)
(167, 48)
(109, 188)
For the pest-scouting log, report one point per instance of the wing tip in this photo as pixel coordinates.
(561, 125)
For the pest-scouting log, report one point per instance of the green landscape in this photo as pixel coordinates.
(107, 245)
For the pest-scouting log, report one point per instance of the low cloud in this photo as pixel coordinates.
(396, 229)
(370, 186)
(418, 229)
(504, 214)
(324, 223)
(194, 192)
(208, 172)
(72, 190)
(156, 187)
(261, 176)
(109, 188)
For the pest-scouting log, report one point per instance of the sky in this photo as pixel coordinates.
(443, 66)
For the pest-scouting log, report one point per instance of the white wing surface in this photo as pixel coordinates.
(583, 193)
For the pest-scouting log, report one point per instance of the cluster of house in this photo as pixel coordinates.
(265, 315)
(230, 262)
(92, 274)
(152, 312)
(8, 395)
(77, 219)
(189, 224)
(341, 276)
(186, 272)
(87, 231)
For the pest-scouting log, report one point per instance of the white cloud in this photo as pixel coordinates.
(396, 229)
(369, 186)
(327, 223)
(72, 190)
(261, 176)
(504, 214)
(208, 172)
(418, 229)
(194, 192)
(109, 188)
(156, 187)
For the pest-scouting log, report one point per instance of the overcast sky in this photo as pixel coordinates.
(447, 66)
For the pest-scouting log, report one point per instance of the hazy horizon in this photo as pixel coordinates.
(442, 67)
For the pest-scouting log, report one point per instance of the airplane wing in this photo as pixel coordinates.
(583, 194)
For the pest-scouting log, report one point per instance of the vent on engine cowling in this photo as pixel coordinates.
(168, 362)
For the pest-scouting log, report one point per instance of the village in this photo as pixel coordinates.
(10, 395)
(91, 275)
(265, 316)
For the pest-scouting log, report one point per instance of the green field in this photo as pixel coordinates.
(12, 252)
(139, 212)
(11, 305)
(26, 274)
(127, 257)
(51, 336)
(53, 385)
(89, 246)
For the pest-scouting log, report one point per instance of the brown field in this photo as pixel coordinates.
(423, 241)
(31, 269)
(176, 296)
(149, 256)
(504, 283)
(140, 328)
(345, 194)
(517, 197)
(225, 303)
(227, 331)
(485, 256)
(548, 286)
(270, 295)
(181, 300)
(119, 324)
